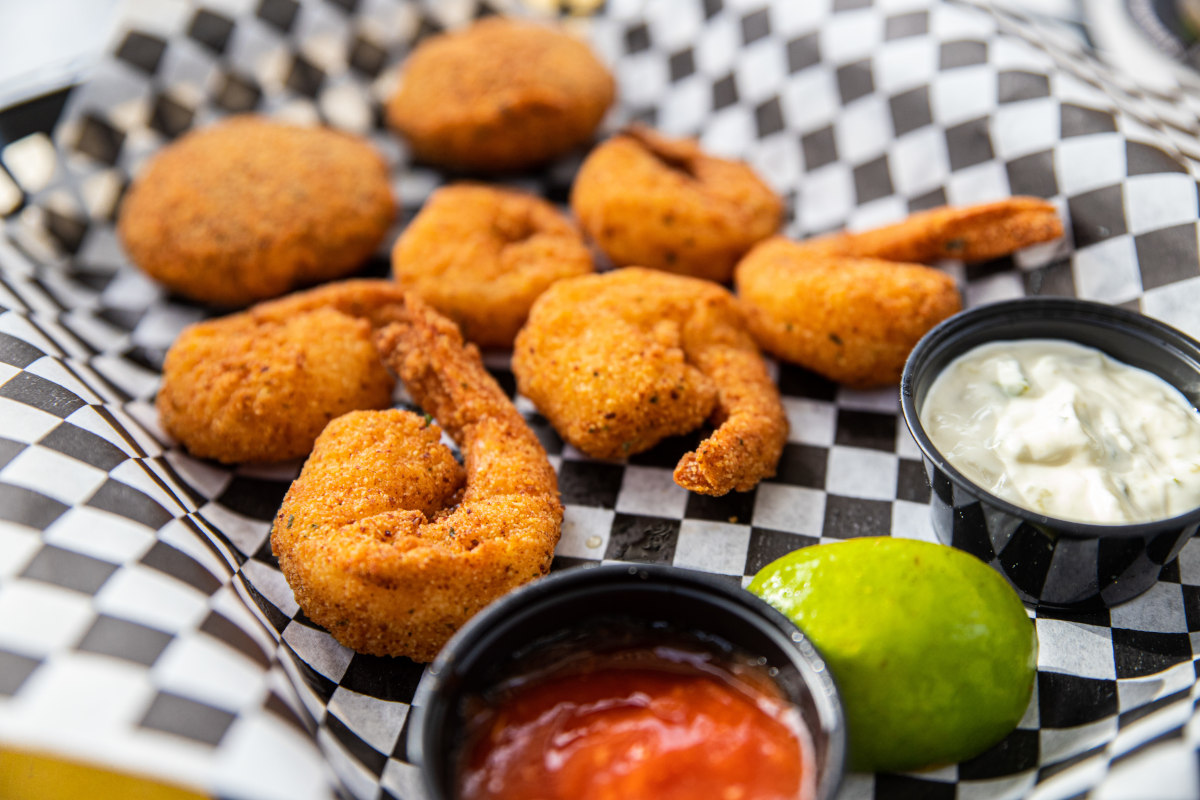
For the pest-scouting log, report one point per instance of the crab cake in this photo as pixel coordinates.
(499, 95)
(481, 255)
(249, 209)
(651, 201)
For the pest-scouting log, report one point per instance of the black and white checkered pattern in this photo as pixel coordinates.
(149, 601)
(122, 639)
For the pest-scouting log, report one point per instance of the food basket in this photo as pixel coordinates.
(144, 624)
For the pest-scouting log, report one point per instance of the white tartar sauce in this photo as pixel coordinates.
(1067, 431)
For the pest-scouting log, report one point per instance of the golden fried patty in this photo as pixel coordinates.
(499, 95)
(250, 209)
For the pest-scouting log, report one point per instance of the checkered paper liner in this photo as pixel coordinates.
(143, 620)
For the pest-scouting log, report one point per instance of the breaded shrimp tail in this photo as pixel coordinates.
(751, 423)
(384, 538)
(974, 233)
(447, 378)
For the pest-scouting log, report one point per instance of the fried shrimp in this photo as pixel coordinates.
(652, 201)
(389, 543)
(250, 208)
(620, 360)
(850, 307)
(481, 256)
(853, 320)
(261, 384)
(499, 95)
(973, 233)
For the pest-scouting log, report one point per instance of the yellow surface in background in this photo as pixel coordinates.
(26, 776)
(577, 7)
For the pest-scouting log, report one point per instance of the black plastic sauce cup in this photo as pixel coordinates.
(481, 654)
(1052, 562)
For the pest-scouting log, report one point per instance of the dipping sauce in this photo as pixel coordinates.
(1067, 431)
(659, 723)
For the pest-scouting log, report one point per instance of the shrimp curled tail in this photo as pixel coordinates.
(972, 233)
(751, 425)
(385, 539)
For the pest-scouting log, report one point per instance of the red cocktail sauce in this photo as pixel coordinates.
(656, 724)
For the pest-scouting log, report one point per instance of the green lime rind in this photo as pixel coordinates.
(932, 650)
